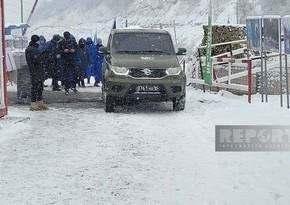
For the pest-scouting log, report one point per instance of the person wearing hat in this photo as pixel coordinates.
(82, 61)
(56, 65)
(100, 59)
(33, 59)
(68, 48)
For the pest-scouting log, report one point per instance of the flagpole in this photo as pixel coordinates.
(208, 65)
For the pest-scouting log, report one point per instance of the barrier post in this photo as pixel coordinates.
(3, 78)
(249, 81)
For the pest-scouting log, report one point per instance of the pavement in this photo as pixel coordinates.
(58, 99)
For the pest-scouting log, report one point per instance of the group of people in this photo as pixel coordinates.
(62, 59)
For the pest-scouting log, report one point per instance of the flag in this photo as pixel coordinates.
(114, 24)
(208, 66)
(96, 37)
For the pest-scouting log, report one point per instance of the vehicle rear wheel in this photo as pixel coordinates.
(179, 103)
(109, 104)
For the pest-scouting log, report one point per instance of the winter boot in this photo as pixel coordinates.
(66, 92)
(96, 84)
(41, 105)
(62, 85)
(56, 89)
(75, 90)
(34, 107)
(83, 83)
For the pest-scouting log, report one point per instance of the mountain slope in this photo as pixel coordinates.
(83, 18)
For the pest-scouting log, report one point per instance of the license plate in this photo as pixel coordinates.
(147, 88)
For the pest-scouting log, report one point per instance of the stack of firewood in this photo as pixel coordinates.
(224, 33)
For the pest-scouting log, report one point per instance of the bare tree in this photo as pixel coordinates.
(244, 9)
(273, 7)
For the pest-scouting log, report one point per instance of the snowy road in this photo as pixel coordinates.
(82, 156)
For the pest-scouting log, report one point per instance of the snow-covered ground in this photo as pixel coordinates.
(149, 155)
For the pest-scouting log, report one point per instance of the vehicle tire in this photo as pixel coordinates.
(179, 103)
(109, 104)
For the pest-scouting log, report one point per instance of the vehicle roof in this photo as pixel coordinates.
(139, 30)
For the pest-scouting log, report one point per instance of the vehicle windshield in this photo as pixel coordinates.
(142, 43)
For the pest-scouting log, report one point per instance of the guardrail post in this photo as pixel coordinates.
(249, 81)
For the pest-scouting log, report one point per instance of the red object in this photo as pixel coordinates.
(214, 78)
(3, 111)
(249, 64)
(249, 81)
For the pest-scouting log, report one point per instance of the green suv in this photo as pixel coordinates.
(141, 64)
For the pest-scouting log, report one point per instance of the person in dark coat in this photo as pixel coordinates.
(100, 59)
(33, 59)
(46, 58)
(68, 49)
(83, 61)
(93, 58)
(54, 50)
(71, 78)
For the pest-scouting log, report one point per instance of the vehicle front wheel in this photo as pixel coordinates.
(179, 103)
(109, 104)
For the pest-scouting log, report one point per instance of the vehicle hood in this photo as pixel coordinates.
(145, 61)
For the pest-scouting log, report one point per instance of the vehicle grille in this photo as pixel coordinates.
(140, 73)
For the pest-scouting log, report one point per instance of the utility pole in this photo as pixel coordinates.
(22, 14)
(237, 7)
(174, 32)
(30, 15)
(22, 11)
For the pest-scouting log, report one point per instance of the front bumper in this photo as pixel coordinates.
(124, 87)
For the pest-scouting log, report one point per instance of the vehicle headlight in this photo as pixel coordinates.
(173, 71)
(120, 70)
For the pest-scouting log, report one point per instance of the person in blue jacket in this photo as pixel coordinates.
(92, 58)
(100, 59)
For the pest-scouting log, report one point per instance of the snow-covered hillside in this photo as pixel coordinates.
(82, 18)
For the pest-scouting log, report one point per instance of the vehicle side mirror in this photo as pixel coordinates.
(181, 51)
(104, 50)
